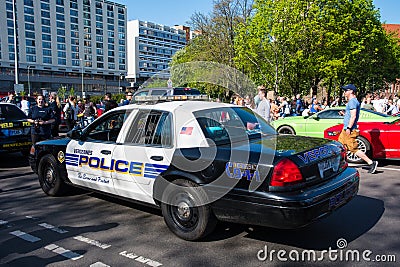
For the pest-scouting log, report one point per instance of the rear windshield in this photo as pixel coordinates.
(11, 112)
(227, 124)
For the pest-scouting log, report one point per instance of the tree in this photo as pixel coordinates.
(293, 45)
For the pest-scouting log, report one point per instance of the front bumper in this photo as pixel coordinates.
(291, 209)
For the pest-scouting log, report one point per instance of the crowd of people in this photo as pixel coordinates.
(46, 115)
(273, 108)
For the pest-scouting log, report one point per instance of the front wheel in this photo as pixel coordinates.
(363, 145)
(185, 210)
(49, 178)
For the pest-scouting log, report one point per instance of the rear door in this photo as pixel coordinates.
(144, 153)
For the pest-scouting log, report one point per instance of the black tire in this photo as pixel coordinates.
(364, 146)
(184, 210)
(49, 177)
(286, 130)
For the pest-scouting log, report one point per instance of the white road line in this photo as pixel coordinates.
(53, 228)
(3, 222)
(25, 236)
(31, 217)
(99, 264)
(63, 252)
(389, 169)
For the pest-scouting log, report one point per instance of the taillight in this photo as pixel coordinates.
(32, 151)
(286, 173)
(343, 159)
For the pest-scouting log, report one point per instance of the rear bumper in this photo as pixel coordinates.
(289, 210)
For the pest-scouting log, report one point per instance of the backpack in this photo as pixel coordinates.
(69, 113)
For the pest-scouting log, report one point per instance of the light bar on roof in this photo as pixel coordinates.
(156, 98)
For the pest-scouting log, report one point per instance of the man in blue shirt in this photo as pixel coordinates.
(348, 136)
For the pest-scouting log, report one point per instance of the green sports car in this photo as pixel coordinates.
(315, 124)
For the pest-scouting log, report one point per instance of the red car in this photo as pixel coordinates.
(376, 139)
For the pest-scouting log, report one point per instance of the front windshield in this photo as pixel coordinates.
(232, 123)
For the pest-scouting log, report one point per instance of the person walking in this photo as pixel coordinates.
(41, 118)
(55, 106)
(264, 107)
(71, 111)
(350, 132)
(89, 112)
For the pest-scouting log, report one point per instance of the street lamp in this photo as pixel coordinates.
(119, 83)
(29, 83)
(82, 76)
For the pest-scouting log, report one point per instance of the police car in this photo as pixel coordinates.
(15, 130)
(200, 162)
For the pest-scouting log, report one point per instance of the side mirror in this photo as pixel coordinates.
(75, 134)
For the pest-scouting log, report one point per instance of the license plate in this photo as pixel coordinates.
(329, 164)
(342, 197)
(13, 132)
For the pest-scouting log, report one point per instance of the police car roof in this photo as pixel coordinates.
(177, 105)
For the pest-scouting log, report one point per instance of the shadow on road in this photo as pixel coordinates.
(16, 245)
(349, 222)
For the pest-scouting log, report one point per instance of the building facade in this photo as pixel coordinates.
(150, 49)
(79, 44)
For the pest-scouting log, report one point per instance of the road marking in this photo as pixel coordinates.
(31, 217)
(99, 264)
(25, 236)
(389, 169)
(91, 242)
(63, 252)
(3, 222)
(53, 228)
(140, 259)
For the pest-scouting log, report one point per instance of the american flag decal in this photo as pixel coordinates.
(186, 130)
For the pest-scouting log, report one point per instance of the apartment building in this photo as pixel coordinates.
(150, 49)
(79, 44)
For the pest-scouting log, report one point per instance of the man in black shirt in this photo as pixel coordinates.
(41, 118)
(109, 103)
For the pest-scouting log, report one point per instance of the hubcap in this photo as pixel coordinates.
(183, 210)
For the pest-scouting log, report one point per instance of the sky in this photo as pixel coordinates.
(178, 12)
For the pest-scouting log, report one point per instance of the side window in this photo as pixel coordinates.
(107, 129)
(143, 93)
(330, 114)
(151, 127)
(158, 92)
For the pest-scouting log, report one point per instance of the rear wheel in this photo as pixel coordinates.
(185, 211)
(286, 130)
(364, 146)
(49, 178)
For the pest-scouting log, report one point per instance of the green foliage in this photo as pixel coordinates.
(61, 92)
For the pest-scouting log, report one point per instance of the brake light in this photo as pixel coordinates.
(343, 160)
(286, 173)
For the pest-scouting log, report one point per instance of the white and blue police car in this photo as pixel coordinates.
(200, 162)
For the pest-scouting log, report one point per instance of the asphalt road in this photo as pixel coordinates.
(87, 229)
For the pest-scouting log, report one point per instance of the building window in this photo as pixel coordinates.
(28, 3)
(61, 24)
(30, 42)
(47, 60)
(99, 11)
(61, 32)
(100, 65)
(62, 54)
(100, 58)
(99, 51)
(76, 63)
(46, 52)
(99, 25)
(74, 20)
(46, 37)
(61, 47)
(111, 65)
(60, 17)
(62, 61)
(30, 50)
(122, 67)
(75, 55)
(45, 14)
(29, 27)
(75, 48)
(73, 5)
(46, 22)
(60, 2)
(74, 13)
(30, 58)
(30, 35)
(74, 27)
(29, 19)
(88, 50)
(46, 45)
(60, 39)
(28, 10)
(75, 34)
(44, 6)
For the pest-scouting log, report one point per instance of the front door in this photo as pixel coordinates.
(89, 160)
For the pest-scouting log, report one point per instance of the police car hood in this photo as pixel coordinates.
(55, 142)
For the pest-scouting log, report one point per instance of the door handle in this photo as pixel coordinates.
(105, 152)
(157, 158)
